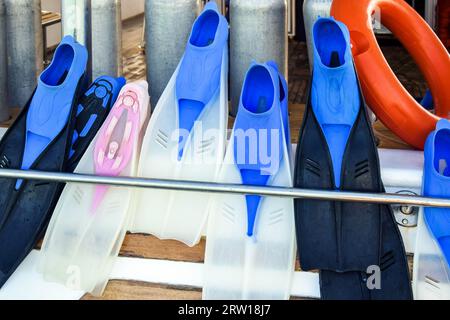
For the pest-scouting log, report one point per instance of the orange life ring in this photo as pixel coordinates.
(384, 93)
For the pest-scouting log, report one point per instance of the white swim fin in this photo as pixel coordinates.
(90, 221)
(250, 243)
(186, 136)
(431, 276)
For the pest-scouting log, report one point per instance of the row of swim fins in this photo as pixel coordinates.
(251, 240)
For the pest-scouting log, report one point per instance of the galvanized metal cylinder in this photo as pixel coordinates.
(220, 3)
(76, 21)
(4, 109)
(168, 25)
(258, 32)
(24, 49)
(106, 38)
(430, 13)
(312, 9)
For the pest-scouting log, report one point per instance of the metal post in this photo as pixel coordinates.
(168, 25)
(106, 38)
(312, 9)
(76, 21)
(292, 18)
(24, 49)
(220, 3)
(258, 32)
(4, 109)
(430, 13)
(227, 188)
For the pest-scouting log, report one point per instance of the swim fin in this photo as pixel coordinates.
(89, 224)
(337, 152)
(432, 255)
(39, 140)
(186, 136)
(92, 110)
(250, 244)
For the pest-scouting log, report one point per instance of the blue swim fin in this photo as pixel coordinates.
(38, 140)
(261, 119)
(436, 183)
(337, 151)
(334, 84)
(187, 134)
(199, 74)
(427, 100)
(92, 110)
(256, 233)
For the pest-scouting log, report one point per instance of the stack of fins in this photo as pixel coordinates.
(356, 246)
(51, 133)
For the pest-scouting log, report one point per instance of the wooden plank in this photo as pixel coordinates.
(14, 113)
(49, 18)
(133, 290)
(150, 247)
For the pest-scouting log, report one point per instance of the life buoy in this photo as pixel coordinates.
(384, 93)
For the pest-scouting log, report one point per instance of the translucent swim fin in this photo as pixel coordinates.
(432, 255)
(92, 110)
(186, 136)
(89, 223)
(250, 244)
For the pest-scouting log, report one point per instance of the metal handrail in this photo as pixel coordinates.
(381, 198)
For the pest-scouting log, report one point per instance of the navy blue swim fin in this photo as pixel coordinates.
(337, 152)
(92, 110)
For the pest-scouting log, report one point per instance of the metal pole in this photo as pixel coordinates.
(24, 49)
(106, 38)
(168, 25)
(312, 9)
(430, 13)
(258, 32)
(227, 188)
(4, 109)
(76, 21)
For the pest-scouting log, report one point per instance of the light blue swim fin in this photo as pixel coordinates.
(186, 135)
(38, 140)
(432, 254)
(250, 248)
(436, 183)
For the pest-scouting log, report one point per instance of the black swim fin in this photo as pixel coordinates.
(337, 152)
(389, 280)
(38, 140)
(92, 110)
